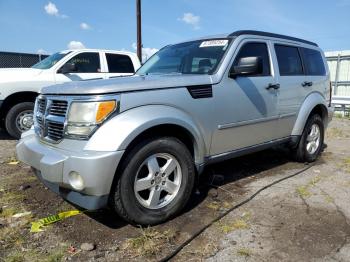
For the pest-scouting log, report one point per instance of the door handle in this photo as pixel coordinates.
(274, 86)
(306, 83)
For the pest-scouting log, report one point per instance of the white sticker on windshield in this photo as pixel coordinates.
(210, 43)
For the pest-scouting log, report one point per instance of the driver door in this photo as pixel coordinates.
(88, 67)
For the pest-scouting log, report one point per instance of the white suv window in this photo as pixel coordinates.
(87, 62)
(119, 63)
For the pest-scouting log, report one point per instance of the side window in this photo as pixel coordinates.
(87, 63)
(255, 49)
(289, 61)
(119, 63)
(313, 62)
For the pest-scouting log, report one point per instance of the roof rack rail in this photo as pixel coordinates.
(260, 33)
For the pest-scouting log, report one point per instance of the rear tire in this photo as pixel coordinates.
(311, 141)
(19, 119)
(165, 165)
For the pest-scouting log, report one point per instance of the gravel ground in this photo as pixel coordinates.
(304, 218)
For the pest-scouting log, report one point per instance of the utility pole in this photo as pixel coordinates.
(139, 38)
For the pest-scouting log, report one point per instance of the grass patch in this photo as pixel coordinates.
(8, 197)
(235, 225)
(335, 132)
(150, 242)
(8, 212)
(55, 255)
(328, 198)
(244, 252)
(213, 205)
(303, 191)
(347, 164)
(238, 224)
(12, 237)
(16, 257)
(205, 251)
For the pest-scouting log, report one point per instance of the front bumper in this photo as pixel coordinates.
(52, 166)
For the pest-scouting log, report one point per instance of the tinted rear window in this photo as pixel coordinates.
(289, 61)
(313, 62)
(119, 64)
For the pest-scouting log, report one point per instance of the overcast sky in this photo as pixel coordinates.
(50, 26)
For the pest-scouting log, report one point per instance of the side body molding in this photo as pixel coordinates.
(120, 131)
(307, 106)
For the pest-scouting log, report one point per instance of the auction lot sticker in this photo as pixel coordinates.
(210, 43)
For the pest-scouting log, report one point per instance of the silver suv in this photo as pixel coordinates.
(136, 144)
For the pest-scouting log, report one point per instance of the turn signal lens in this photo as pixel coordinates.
(104, 109)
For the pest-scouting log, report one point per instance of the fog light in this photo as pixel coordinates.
(75, 180)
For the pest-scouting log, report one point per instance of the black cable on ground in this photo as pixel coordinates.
(201, 230)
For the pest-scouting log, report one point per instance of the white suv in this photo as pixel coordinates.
(20, 86)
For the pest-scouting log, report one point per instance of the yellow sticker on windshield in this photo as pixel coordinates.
(217, 42)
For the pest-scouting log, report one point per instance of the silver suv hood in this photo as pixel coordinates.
(125, 84)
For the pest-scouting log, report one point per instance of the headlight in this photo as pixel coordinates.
(83, 117)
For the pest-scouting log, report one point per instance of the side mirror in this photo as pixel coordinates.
(68, 68)
(247, 66)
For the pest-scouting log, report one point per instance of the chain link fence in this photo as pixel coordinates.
(16, 60)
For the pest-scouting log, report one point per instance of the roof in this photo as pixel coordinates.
(98, 50)
(257, 33)
(260, 33)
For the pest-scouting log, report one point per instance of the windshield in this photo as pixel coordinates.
(50, 61)
(196, 57)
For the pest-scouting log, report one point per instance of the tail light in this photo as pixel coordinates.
(330, 93)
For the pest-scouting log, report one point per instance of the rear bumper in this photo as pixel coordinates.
(54, 165)
(330, 113)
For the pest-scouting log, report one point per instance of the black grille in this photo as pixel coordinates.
(58, 108)
(202, 91)
(55, 130)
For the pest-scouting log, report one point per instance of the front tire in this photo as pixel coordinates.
(156, 181)
(19, 119)
(311, 141)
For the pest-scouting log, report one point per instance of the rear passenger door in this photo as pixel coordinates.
(119, 65)
(291, 78)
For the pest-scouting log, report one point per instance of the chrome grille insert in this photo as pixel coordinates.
(50, 118)
(41, 105)
(58, 108)
(55, 131)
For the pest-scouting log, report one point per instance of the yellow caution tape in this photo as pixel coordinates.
(13, 163)
(37, 226)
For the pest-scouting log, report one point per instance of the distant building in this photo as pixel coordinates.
(339, 66)
(17, 60)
